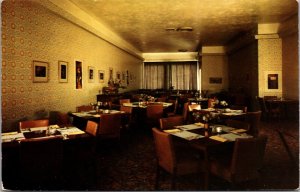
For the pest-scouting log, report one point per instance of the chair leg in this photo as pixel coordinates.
(157, 177)
(173, 182)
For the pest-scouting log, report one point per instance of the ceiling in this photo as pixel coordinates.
(143, 23)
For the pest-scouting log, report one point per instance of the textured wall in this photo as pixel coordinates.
(214, 66)
(269, 59)
(243, 70)
(31, 32)
(290, 67)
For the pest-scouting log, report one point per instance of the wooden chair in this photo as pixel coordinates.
(270, 97)
(110, 126)
(33, 123)
(63, 120)
(245, 162)
(191, 108)
(91, 128)
(170, 161)
(238, 124)
(41, 163)
(267, 111)
(174, 107)
(154, 113)
(253, 118)
(185, 112)
(83, 108)
(210, 103)
(170, 122)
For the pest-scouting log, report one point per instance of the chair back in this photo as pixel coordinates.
(164, 150)
(262, 104)
(270, 97)
(41, 162)
(175, 104)
(237, 124)
(154, 111)
(210, 103)
(253, 118)
(63, 119)
(248, 158)
(170, 122)
(110, 125)
(121, 101)
(185, 111)
(91, 128)
(83, 108)
(33, 123)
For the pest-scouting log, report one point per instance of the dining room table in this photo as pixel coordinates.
(11, 148)
(208, 139)
(284, 105)
(80, 118)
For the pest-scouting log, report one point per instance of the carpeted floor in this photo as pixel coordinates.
(130, 164)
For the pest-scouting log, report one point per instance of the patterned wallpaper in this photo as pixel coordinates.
(269, 59)
(31, 32)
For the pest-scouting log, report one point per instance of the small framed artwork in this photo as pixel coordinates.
(91, 74)
(101, 76)
(123, 77)
(78, 74)
(62, 71)
(273, 81)
(118, 76)
(40, 71)
(215, 80)
(111, 73)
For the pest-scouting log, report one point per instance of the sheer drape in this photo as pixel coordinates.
(181, 75)
(154, 76)
(184, 76)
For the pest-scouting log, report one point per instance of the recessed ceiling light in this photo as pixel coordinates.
(185, 29)
(182, 50)
(170, 29)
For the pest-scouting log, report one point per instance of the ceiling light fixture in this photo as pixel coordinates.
(182, 50)
(185, 29)
(180, 29)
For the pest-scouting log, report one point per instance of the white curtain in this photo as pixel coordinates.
(184, 75)
(181, 75)
(154, 76)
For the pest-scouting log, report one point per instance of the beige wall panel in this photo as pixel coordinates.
(290, 67)
(214, 66)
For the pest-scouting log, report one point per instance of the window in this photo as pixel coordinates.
(180, 75)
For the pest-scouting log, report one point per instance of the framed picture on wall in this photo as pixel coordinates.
(215, 80)
(118, 76)
(62, 71)
(91, 74)
(78, 73)
(101, 76)
(273, 82)
(123, 77)
(40, 71)
(111, 73)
